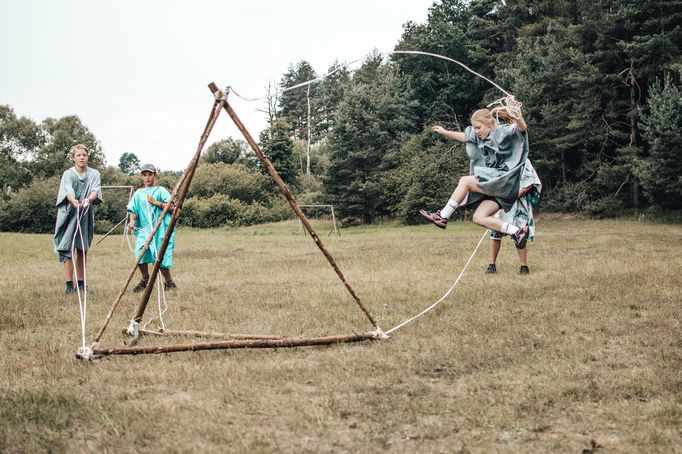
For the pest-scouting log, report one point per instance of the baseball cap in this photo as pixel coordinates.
(148, 168)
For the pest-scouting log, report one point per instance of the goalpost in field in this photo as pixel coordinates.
(124, 221)
(335, 227)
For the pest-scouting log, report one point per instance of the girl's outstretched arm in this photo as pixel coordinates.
(456, 135)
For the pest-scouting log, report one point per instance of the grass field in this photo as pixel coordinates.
(582, 355)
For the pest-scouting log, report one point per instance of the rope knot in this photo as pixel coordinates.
(379, 334)
(133, 329)
(85, 353)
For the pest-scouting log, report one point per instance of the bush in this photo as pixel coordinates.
(232, 180)
(220, 210)
(31, 209)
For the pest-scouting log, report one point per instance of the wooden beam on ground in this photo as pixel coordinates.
(233, 344)
(214, 335)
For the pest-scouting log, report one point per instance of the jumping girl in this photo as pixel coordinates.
(497, 154)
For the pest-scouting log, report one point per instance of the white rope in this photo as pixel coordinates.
(82, 303)
(442, 298)
(385, 54)
(419, 52)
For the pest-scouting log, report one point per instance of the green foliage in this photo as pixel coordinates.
(31, 208)
(227, 151)
(219, 210)
(331, 92)
(373, 118)
(129, 163)
(294, 103)
(278, 146)
(234, 181)
(429, 171)
(60, 135)
(19, 138)
(661, 172)
(443, 91)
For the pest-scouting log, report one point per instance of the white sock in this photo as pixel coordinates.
(449, 208)
(509, 229)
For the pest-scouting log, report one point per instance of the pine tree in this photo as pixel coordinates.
(373, 118)
(278, 146)
(294, 103)
(661, 172)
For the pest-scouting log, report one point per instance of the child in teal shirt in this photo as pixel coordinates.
(145, 207)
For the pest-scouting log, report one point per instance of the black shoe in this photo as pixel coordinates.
(141, 285)
(169, 285)
(521, 237)
(492, 269)
(69, 289)
(524, 270)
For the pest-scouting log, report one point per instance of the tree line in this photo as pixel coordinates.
(600, 86)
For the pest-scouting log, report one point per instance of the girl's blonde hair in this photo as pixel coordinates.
(78, 146)
(491, 117)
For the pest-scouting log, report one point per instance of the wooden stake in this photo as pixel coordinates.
(292, 201)
(223, 345)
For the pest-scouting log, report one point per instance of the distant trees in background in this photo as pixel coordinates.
(599, 80)
(129, 163)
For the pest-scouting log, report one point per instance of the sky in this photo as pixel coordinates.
(136, 72)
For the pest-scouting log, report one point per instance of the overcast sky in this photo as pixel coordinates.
(136, 72)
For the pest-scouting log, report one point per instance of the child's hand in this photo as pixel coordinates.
(439, 129)
(85, 203)
(151, 200)
(131, 225)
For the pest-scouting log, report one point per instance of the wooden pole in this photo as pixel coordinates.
(215, 110)
(292, 201)
(169, 332)
(222, 345)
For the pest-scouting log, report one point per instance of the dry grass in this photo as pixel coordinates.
(584, 354)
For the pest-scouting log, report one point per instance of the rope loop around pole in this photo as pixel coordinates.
(379, 334)
(85, 353)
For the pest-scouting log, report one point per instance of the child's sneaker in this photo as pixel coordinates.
(69, 289)
(521, 237)
(524, 270)
(141, 285)
(492, 269)
(169, 285)
(435, 217)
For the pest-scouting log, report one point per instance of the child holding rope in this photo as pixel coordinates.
(80, 187)
(497, 154)
(520, 214)
(145, 207)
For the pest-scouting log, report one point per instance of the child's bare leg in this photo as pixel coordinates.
(485, 216)
(81, 260)
(68, 270)
(466, 184)
(166, 274)
(522, 256)
(144, 270)
(494, 250)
